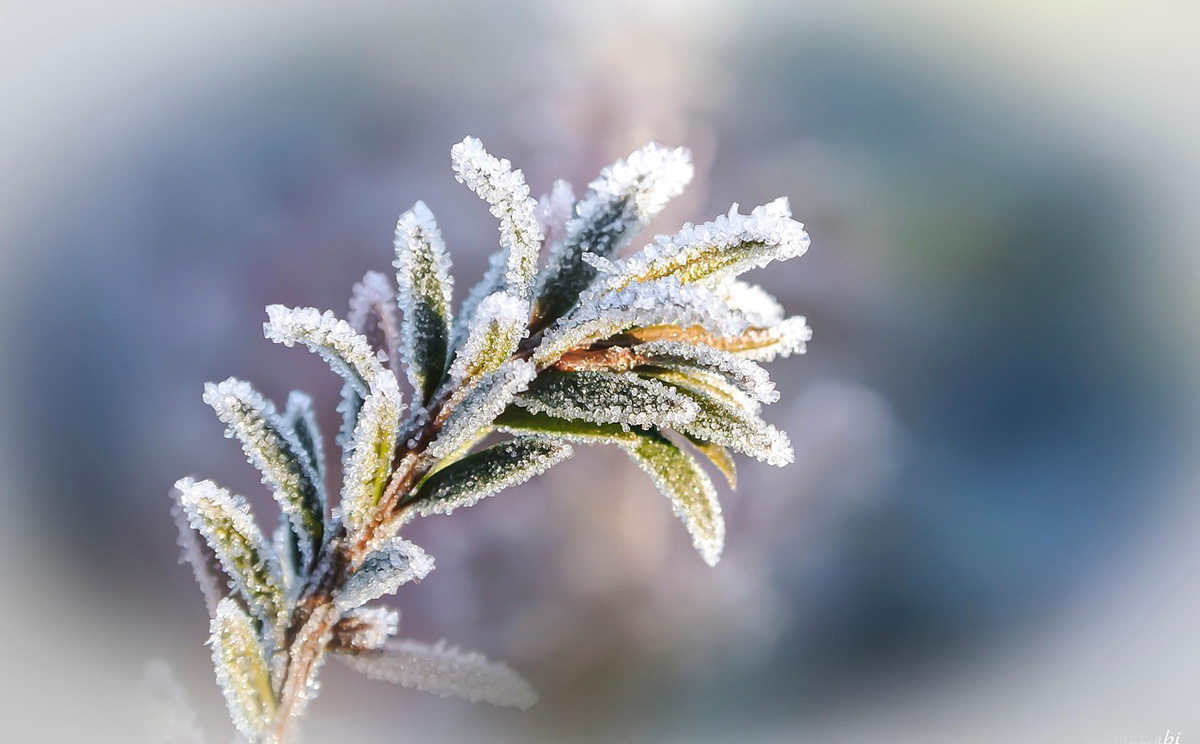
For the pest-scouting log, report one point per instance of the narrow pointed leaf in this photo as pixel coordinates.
(373, 316)
(622, 200)
(485, 473)
(446, 671)
(242, 671)
(475, 410)
(679, 478)
(493, 335)
(719, 456)
(755, 343)
(274, 449)
(607, 398)
(206, 567)
(752, 379)
(384, 570)
(301, 419)
(369, 463)
(225, 522)
(349, 353)
(518, 420)
(425, 288)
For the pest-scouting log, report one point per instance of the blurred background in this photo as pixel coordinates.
(990, 532)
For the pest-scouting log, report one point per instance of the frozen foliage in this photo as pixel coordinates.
(423, 275)
(384, 570)
(446, 671)
(657, 353)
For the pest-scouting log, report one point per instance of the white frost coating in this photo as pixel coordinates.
(366, 629)
(523, 458)
(373, 314)
(480, 406)
(225, 522)
(507, 194)
(599, 263)
(665, 301)
(384, 570)
(555, 209)
(346, 351)
(167, 715)
(609, 398)
(213, 581)
(744, 373)
(368, 466)
(425, 294)
(791, 336)
(494, 333)
(752, 301)
(241, 670)
(711, 253)
(276, 452)
(446, 671)
(728, 424)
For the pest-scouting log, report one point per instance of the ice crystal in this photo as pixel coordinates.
(446, 671)
(656, 353)
(384, 570)
(423, 275)
(277, 453)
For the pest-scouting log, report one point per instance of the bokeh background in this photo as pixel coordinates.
(991, 532)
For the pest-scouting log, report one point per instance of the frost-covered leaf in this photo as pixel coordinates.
(507, 195)
(607, 398)
(349, 405)
(484, 473)
(662, 302)
(555, 210)
(364, 629)
(206, 567)
(756, 304)
(369, 465)
(393, 563)
(167, 715)
(757, 344)
(719, 456)
(446, 671)
(716, 251)
(493, 335)
(277, 453)
(517, 420)
(242, 671)
(373, 315)
(423, 276)
(301, 419)
(680, 479)
(475, 410)
(721, 420)
(225, 522)
(744, 373)
(620, 202)
(346, 351)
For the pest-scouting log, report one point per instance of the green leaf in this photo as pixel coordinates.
(369, 465)
(242, 670)
(484, 473)
(385, 569)
(425, 288)
(718, 456)
(224, 521)
(273, 448)
(607, 398)
(679, 477)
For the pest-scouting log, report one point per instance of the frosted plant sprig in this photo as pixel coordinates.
(657, 353)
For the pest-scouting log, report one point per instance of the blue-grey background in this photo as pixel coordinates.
(990, 531)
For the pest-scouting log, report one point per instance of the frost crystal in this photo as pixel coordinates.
(384, 570)
(370, 463)
(373, 315)
(475, 411)
(555, 209)
(346, 351)
(607, 398)
(241, 670)
(623, 199)
(495, 331)
(423, 275)
(752, 301)
(206, 567)
(662, 302)
(225, 522)
(301, 420)
(790, 336)
(505, 191)
(446, 671)
(285, 465)
(744, 373)
(477, 476)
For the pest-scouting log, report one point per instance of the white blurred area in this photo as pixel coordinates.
(1118, 661)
